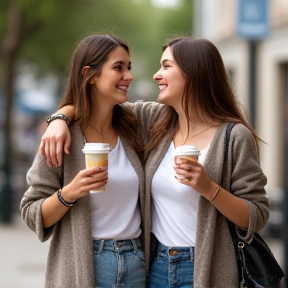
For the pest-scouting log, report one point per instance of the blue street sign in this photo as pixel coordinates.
(253, 19)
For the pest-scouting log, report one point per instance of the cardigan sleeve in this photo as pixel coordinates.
(247, 179)
(43, 182)
(147, 113)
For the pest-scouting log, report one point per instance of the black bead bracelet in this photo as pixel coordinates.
(61, 199)
(57, 116)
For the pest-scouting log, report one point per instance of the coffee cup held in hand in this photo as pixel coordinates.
(96, 155)
(189, 152)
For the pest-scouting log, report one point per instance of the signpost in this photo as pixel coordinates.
(253, 22)
(253, 25)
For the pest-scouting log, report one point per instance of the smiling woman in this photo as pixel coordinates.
(59, 203)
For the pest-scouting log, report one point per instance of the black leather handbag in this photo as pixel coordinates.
(257, 266)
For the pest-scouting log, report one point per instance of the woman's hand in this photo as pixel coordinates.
(192, 173)
(54, 139)
(52, 210)
(86, 180)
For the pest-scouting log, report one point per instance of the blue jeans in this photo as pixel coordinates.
(171, 267)
(119, 264)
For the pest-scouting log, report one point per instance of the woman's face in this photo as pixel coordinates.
(112, 83)
(170, 79)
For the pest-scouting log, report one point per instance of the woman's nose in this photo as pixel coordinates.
(157, 76)
(128, 76)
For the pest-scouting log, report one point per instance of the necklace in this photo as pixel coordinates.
(109, 141)
(193, 135)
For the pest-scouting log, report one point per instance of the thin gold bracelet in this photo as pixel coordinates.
(215, 194)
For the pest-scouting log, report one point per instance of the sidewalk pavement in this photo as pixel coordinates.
(22, 256)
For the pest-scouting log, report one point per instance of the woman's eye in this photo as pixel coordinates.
(166, 66)
(118, 68)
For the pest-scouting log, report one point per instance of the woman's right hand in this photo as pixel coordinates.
(53, 140)
(52, 210)
(85, 181)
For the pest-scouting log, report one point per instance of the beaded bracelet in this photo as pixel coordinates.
(61, 199)
(57, 116)
(215, 194)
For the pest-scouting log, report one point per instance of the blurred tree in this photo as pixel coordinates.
(45, 33)
(20, 21)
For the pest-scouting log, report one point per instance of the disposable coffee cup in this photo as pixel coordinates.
(96, 155)
(189, 152)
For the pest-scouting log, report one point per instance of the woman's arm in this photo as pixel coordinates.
(52, 210)
(248, 206)
(233, 208)
(40, 207)
(56, 137)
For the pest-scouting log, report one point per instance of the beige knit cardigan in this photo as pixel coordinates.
(215, 263)
(70, 262)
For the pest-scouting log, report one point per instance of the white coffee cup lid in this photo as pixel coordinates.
(96, 148)
(187, 150)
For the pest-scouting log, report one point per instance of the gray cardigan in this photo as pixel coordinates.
(215, 262)
(70, 262)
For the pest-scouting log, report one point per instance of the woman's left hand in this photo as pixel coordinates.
(192, 173)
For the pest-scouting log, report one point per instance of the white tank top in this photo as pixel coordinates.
(175, 205)
(115, 212)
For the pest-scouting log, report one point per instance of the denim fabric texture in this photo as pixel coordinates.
(171, 267)
(119, 264)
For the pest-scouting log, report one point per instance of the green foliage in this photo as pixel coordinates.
(52, 29)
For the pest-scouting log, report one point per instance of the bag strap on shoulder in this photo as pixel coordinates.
(229, 127)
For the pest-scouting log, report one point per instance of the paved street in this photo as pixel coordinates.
(22, 256)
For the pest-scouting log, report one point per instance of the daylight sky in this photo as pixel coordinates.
(169, 3)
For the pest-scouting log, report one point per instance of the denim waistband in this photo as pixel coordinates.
(175, 251)
(99, 245)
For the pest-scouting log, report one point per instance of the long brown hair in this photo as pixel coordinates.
(93, 51)
(207, 92)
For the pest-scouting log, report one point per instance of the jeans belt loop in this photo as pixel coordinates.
(101, 246)
(191, 254)
(134, 246)
(115, 245)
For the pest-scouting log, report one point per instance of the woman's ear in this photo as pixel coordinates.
(85, 71)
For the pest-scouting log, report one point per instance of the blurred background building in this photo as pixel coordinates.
(257, 62)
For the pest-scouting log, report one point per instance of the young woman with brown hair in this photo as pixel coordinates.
(190, 242)
(95, 236)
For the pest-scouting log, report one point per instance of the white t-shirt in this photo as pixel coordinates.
(175, 205)
(115, 212)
